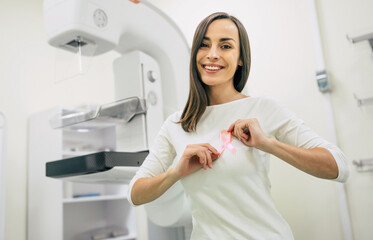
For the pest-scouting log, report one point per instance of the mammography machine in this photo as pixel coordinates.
(151, 82)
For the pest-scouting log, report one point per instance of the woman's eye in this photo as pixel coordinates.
(226, 46)
(204, 45)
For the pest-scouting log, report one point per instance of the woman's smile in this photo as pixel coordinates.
(212, 68)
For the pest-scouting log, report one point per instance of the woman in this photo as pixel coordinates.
(224, 177)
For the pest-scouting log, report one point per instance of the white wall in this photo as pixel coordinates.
(351, 68)
(283, 66)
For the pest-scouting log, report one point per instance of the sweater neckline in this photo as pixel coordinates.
(229, 103)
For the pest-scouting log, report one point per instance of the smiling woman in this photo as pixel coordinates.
(229, 189)
(220, 44)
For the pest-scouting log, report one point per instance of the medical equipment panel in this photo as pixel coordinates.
(93, 163)
(77, 210)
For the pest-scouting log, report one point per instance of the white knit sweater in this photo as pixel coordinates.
(232, 200)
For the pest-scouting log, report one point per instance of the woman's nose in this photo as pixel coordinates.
(213, 53)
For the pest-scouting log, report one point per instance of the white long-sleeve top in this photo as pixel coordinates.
(232, 200)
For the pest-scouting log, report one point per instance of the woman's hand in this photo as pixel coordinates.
(195, 156)
(249, 132)
(317, 161)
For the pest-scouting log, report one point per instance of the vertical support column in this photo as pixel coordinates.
(320, 67)
(138, 75)
(2, 174)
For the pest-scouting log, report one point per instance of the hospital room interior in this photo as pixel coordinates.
(86, 85)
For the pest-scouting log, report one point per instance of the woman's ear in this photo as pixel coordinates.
(240, 63)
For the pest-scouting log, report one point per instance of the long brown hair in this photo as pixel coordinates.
(198, 99)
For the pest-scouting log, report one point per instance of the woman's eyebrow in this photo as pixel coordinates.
(221, 39)
(226, 39)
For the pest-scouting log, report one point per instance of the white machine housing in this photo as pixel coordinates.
(123, 26)
(142, 32)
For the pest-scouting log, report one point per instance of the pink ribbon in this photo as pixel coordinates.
(226, 138)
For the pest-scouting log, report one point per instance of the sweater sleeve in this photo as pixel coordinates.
(161, 156)
(288, 128)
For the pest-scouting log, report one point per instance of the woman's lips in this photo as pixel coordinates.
(212, 68)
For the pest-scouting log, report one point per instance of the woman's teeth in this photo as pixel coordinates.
(212, 68)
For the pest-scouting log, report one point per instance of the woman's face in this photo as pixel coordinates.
(219, 54)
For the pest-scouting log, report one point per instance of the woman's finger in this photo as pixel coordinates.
(242, 130)
(205, 165)
(210, 148)
(209, 159)
(237, 130)
(246, 133)
(214, 156)
(202, 158)
(231, 127)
